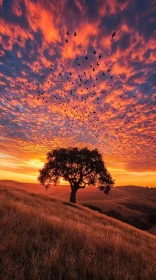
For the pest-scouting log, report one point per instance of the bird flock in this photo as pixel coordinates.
(80, 107)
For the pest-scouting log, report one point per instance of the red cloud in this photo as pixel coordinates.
(42, 19)
(15, 34)
(16, 7)
(111, 111)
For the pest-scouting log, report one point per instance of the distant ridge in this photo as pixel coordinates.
(14, 182)
(18, 182)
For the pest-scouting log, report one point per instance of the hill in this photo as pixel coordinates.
(130, 200)
(46, 238)
(132, 204)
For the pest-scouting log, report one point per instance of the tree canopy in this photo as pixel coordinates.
(80, 167)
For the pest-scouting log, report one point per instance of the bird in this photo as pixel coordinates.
(67, 33)
(113, 35)
(75, 34)
(66, 40)
(94, 52)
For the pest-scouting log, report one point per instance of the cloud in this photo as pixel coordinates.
(11, 33)
(50, 95)
(16, 7)
(41, 20)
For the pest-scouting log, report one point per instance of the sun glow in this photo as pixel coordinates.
(36, 163)
(67, 81)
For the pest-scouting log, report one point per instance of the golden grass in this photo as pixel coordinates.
(44, 238)
(129, 201)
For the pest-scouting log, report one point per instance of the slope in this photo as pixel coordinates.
(45, 238)
(129, 201)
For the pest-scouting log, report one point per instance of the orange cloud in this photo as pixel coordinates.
(41, 20)
(14, 32)
(77, 46)
(110, 110)
(116, 6)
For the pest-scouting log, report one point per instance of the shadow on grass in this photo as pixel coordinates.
(143, 223)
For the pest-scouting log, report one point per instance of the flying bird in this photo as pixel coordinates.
(75, 34)
(113, 35)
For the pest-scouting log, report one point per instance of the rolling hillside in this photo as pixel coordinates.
(46, 238)
(127, 200)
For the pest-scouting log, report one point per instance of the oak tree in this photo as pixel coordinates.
(80, 167)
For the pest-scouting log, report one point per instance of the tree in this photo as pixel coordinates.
(80, 167)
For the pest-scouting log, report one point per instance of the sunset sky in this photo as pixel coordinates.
(92, 89)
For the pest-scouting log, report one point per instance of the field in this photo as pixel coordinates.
(45, 238)
(131, 202)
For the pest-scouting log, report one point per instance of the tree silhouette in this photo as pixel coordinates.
(80, 167)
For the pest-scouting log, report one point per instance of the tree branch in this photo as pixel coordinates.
(90, 171)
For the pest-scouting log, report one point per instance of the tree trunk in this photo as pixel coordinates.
(73, 195)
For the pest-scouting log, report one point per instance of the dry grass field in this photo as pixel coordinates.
(130, 201)
(46, 238)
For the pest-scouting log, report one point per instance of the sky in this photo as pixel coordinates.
(78, 73)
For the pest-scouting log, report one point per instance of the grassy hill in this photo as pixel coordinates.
(127, 200)
(132, 204)
(45, 238)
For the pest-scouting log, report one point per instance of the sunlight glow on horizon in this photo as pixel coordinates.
(122, 178)
(92, 89)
